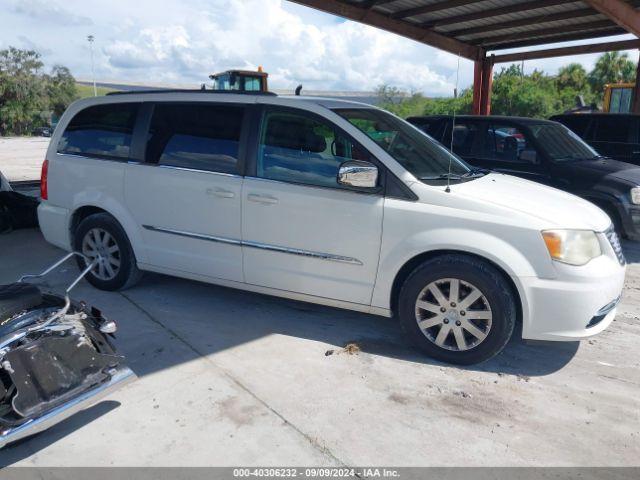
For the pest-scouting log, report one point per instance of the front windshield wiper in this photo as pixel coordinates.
(444, 176)
(474, 172)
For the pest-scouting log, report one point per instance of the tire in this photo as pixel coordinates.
(491, 317)
(123, 272)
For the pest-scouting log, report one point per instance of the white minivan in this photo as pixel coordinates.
(330, 202)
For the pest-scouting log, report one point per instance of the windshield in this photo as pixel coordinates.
(561, 144)
(425, 158)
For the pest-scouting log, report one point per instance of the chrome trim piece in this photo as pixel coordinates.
(199, 236)
(119, 378)
(186, 169)
(304, 253)
(262, 246)
(608, 307)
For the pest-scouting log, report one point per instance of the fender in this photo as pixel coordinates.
(484, 245)
(95, 198)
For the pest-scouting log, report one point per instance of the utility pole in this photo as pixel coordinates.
(90, 39)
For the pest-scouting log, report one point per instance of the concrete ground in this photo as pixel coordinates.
(21, 157)
(234, 378)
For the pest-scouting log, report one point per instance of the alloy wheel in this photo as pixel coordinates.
(100, 244)
(453, 314)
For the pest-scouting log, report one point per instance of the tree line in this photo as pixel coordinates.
(28, 95)
(535, 94)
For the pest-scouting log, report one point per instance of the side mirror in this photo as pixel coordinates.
(357, 173)
(529, 156)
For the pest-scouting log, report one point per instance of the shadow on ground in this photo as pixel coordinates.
(32, 445)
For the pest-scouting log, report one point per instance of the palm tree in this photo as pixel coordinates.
(611, 67)
(572, 76)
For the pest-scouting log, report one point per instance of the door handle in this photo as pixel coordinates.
(219, 192)
(264, 199)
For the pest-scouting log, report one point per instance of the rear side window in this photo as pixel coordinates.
(198, 136)
(612, 128)
(101, 131)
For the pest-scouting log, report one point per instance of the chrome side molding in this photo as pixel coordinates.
(262, 246)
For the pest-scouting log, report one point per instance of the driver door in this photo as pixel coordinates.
(303, 232)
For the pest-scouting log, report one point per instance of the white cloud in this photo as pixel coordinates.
(184, 41)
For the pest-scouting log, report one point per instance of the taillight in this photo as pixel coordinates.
(44, 192)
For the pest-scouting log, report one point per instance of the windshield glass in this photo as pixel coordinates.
(561, 144)
(425, 158)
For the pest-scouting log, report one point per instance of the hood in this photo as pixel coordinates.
(603, 167)
(553, 208)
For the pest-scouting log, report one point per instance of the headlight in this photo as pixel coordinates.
(575, 247)
(635, 195)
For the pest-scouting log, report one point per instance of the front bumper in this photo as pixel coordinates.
(578, 304)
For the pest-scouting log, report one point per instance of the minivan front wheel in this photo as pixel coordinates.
(100, 238)
(457, 308)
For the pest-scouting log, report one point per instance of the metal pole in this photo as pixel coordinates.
(90, 38)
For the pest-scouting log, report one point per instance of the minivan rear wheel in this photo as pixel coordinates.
(100, 237)
(457, 308)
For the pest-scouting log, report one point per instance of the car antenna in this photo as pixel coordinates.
(453, 126)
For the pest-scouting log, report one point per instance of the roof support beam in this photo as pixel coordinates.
(434, 7)
(606, 32)
(494, 12)
(553, 17)
(620, 12)
(374, 3)
(566, 51)
(379, 20)
(579, 27)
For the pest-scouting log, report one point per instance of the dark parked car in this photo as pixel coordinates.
(616, 135)
(546, 152)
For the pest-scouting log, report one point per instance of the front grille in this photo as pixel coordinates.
(612, 236)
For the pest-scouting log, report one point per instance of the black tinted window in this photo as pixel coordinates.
(102, 131)
(430, 127)
(612, 128)
(463, 139)
(504, 143)
(298, 148)
(576, 123)
(202, 137)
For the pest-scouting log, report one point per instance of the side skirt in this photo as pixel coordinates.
(269, 291)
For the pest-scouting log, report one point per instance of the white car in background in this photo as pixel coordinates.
(330, 202)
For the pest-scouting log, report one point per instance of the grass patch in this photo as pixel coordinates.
(85, 91)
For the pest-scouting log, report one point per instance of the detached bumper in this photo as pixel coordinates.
(580, 303)
(36, 425)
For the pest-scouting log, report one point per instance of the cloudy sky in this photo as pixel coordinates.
(181, 42)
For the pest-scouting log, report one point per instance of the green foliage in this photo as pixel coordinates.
(611, 67)
(60, 88)
(404, 105)
(21, 90)
(27, 95)
(515, 93)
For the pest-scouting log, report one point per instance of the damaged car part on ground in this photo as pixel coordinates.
(56, 357)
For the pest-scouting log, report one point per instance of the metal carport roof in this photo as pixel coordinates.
(471, 28)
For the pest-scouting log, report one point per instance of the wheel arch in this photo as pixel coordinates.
(411, 264)
(83, 211)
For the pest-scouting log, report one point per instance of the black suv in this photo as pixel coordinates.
(546, 152)
(616, 135)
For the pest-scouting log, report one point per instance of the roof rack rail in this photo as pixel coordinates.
(188, 90)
